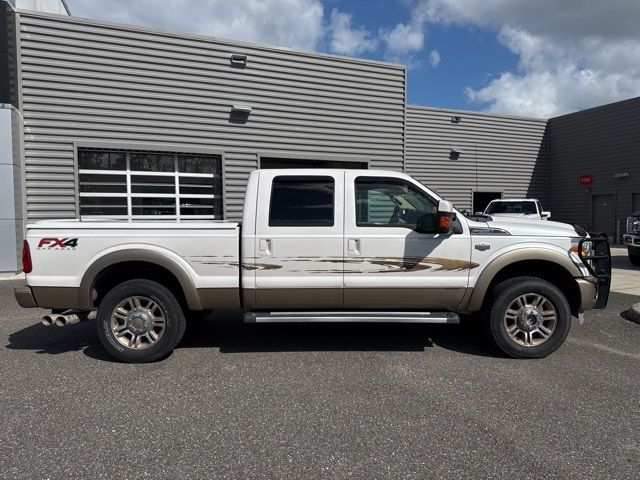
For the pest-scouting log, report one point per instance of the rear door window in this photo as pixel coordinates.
(302, 201)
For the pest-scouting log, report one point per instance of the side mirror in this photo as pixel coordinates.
(440, 222)
(545, 215)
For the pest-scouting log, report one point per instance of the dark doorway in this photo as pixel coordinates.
(270, 162)
(635, 202)
(482, 199)
(603, 214)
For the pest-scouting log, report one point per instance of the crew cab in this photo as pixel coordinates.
(519, 208)
(318, 245)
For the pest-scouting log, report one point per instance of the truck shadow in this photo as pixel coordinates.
(227, 333)
(230, 335)
(80, 337)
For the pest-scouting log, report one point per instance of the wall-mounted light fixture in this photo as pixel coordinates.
(456, 119)
(246, 109)
(454, 153)
(239, 114)
(238, 60)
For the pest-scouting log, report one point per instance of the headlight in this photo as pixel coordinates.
(586, 251)
(587, 247)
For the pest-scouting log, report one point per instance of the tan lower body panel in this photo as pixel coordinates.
(366, 298)
(67, 297)
(58, 297)
(212, 298)
(402, 298)
(588, 293)
(298, 298)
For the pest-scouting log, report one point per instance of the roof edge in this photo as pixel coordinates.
(477, 112)
(193, 36)
(597, 107)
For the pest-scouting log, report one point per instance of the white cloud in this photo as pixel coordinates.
(289, 23)
(402, 42)
(347, 40)
(570, 56)
(434, 58)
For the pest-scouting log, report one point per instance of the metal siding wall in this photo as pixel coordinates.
(511, 154)
(601, 141)
(90, 81)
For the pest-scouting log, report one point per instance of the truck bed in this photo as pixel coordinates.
(66, 252)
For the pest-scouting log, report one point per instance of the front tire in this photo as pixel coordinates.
(140, 321)
(528, 318)
(634, 257)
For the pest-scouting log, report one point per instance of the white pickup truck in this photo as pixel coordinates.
(313, 246)
(517, 208)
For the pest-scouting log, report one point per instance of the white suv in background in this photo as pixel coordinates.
(517, 207)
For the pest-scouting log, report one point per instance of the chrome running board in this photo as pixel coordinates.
(365, 317)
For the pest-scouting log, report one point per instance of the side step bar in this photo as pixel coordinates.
(365, 317)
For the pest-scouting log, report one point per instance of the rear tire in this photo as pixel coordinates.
(140, 321)
(528, 317)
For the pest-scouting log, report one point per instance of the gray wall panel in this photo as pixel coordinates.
(497, 153)
(602, 141)
(91, 81)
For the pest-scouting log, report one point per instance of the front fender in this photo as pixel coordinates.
(522, 253)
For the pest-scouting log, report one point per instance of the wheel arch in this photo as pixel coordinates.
(550, 265)
(150, 263)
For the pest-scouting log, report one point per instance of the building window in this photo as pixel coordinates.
(301, 202)
(149, 185)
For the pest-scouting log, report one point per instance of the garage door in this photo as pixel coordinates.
(149, 185)
(273, 162)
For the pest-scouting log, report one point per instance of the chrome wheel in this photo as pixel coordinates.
(138, 322)
(530, 320)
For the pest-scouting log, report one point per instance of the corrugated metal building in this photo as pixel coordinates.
(594, 176)
(128, 122)
(87, 84)
(471, 158)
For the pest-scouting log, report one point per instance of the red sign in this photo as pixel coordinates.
(586, 179)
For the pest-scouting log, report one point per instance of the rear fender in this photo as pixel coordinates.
(156, 256)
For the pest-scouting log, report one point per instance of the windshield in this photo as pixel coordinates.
(511, 207)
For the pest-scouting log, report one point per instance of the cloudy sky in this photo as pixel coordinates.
(524, 57)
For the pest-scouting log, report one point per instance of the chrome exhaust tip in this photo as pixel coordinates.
(47, 320)
(63, 320)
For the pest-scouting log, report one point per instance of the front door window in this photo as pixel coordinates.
(390, 203)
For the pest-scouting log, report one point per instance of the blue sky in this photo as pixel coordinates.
(469, 55)
(537, 58)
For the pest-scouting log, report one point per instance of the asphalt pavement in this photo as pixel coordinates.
(319, 401)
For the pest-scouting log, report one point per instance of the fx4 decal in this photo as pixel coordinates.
(58, 244)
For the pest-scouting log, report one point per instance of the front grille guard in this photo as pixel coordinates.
(598, 264)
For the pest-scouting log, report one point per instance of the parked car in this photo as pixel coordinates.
(632, 238)
(520, 208)
(318, 246)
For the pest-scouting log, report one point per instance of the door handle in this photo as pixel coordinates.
(353, 246)
(265, 246)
